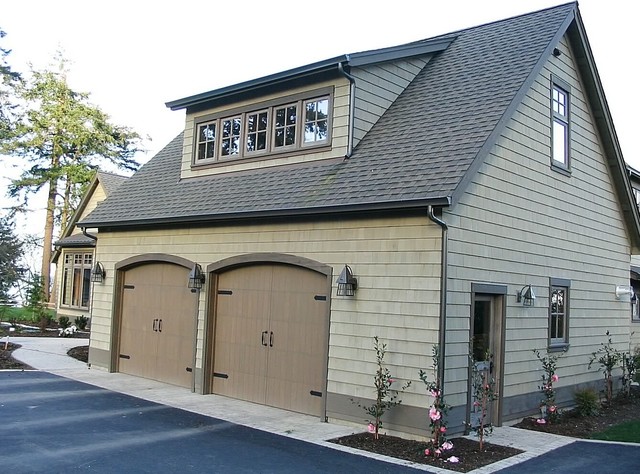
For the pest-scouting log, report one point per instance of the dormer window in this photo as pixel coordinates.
(275, 127)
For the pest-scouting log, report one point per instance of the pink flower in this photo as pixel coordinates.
(554, 378)
(541, 421)
(427, 452)
(435, 393)
(453, 459)
(476, 404)
(371, 428)
(447, 445)
(443, 429)
(552, 408)
(434, 414)
(438, 452)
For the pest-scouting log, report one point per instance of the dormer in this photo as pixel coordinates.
(314, 112)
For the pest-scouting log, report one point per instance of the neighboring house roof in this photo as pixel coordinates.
(110, 182)
(423, 150)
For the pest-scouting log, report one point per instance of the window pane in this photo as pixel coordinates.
(230, 140)
(206, 141)
(285, 126)
(560, 142)
(256, 131)
(86, 287)
(66, 285)
(315, 126)
(77, 286)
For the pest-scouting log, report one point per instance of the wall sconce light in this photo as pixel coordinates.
(347, 283)
(196, 277)
(98, 273)
(526, 296)
(624, 292)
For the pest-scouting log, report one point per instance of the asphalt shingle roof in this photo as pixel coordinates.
(419, 152)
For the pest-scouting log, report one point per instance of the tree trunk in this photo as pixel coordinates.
(48, 238)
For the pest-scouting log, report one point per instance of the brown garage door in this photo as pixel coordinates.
(270, 337)
(157, 323)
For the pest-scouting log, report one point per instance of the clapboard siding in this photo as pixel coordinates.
(377, 87)
(396, 261)
(521, 223)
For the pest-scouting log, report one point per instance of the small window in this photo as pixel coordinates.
(230, 136)
(285, 126)
(206, 141)
(316, 120)
(635, 306)
(257, 130)
(560, 127)
(559, 312)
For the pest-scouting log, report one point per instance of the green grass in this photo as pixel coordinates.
(19, 314)
(628, 432)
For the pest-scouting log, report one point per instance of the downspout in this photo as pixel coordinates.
(443, 296)
(86, 234)
(352, 107)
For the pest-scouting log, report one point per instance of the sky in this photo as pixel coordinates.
(134, 56)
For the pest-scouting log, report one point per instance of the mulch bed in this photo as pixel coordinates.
(7, 361)
(466, 450)
(621, 410)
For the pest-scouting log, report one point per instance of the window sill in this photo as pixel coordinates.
(558, 347)
(560, 168)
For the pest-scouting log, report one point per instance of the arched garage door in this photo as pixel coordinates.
(157, 323)
(270, 336)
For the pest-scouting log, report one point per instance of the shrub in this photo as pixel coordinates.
(437, 411)
(549, 377)
(386, 397)
(82, 322)
(607, 358)
(63, 322)
(587, 403)
(483, 387)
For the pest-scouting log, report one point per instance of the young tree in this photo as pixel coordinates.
(10, 255)
(62, 139)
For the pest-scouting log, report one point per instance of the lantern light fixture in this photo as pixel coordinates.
(526, 296)
(196, 277)
(347, 283)
(98, 273)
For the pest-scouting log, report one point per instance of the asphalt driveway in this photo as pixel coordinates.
(52, 424)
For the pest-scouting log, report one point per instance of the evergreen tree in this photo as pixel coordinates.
(61, 140)
(10, 255)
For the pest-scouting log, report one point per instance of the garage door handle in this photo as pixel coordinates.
(264, 335)
(155, 325)
(271, 339)
(159, 325)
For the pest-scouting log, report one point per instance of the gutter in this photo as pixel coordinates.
(443, 296)
(352, 107)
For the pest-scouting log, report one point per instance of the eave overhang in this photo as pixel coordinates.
(215, 219)
(315, 72)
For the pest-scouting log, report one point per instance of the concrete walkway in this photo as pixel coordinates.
(49, 354)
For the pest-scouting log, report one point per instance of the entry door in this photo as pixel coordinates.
(270, 337)
(487, 350)
(157, 324)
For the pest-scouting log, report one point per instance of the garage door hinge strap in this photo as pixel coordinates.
(320, 298)
(315, 393)
(221, 376)
(124, 356)
(225, 292)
